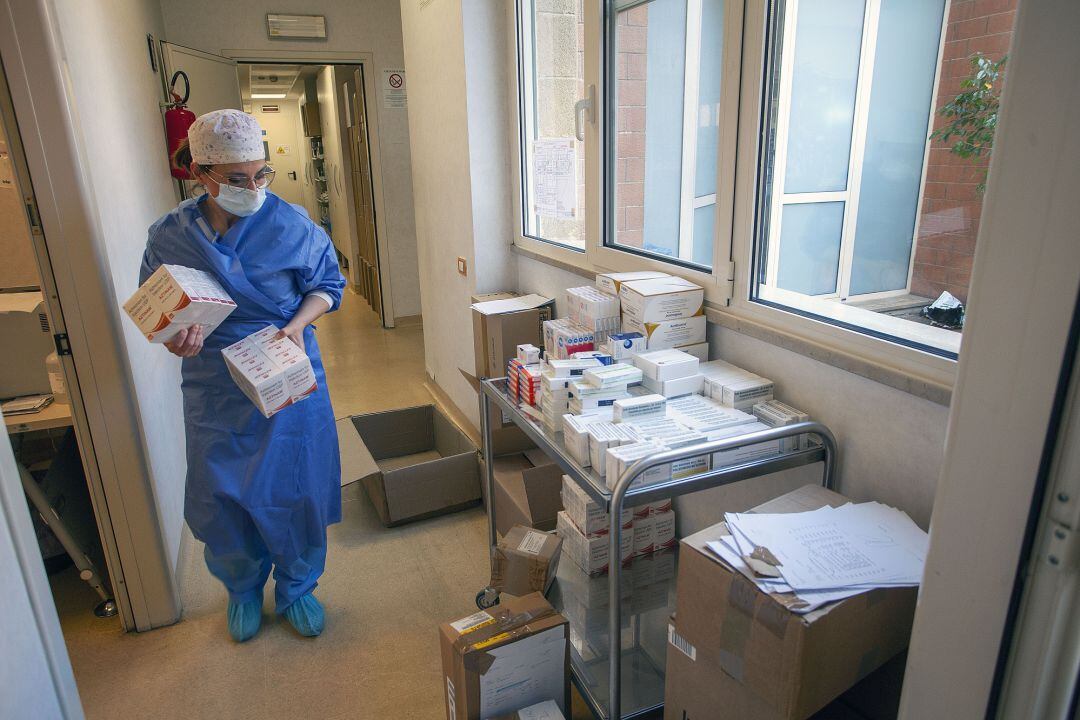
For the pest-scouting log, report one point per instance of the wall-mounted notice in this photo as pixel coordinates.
(393, 89)
(555, 189)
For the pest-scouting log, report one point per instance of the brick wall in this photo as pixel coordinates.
(632, 58)
(951, 202)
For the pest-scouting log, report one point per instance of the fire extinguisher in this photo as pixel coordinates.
(177, 121)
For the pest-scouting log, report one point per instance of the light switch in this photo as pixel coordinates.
(461, 267)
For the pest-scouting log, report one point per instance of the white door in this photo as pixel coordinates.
(1009, 407)
(35, 672)
(279, 121)
(214, 82)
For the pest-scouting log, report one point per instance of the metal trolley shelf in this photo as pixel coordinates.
(630, 649)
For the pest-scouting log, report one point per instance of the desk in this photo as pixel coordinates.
(56, 415)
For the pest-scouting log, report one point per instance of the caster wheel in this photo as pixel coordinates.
(487, 598)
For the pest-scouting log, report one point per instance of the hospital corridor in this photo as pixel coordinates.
(539, 360)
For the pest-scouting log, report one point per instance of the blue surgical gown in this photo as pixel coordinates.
(260, 491)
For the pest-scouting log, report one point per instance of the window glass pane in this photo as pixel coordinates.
(704, 232)
(551, 67)
(904, 69)
(810, 247)
(710, 68)
(664, 72)
(828, 37)
(879, 124)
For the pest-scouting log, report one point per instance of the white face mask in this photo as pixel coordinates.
(241, 202)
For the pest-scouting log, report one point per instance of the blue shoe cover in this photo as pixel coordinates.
(306, 615)
(244, 619)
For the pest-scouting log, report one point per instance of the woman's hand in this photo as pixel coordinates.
(186, 343)
(294, 333)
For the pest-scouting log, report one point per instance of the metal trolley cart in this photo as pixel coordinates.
(617, 660)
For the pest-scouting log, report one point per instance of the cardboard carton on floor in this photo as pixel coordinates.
(735, 647)
(272, 373)
(417, 464)
(525, 561)
(526, 493)
(175, 298)
(497, 661)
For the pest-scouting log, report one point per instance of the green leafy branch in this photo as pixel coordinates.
(974, 112)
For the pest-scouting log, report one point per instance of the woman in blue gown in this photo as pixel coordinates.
(260, 492)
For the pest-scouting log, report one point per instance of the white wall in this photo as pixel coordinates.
(116, 96)
(281, 129)
(459, 177)
(891, 443)
(352, 26)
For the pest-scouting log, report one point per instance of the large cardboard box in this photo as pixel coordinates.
(526, 494)
(512, 656)
(421, 464)
(498, 328)
(525, 561)
(735, 647)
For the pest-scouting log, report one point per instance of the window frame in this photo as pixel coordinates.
(728, 285)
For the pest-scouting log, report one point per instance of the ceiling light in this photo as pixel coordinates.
(268, 96)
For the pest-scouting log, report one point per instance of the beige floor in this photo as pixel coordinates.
(384, 590)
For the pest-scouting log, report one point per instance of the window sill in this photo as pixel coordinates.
(933, 383)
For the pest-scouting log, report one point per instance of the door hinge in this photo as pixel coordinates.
(63, 347)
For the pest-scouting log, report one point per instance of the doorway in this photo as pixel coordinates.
(317, 136)
(42, 405)
(314, 119)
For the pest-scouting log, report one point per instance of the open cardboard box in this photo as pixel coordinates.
(527, 491)
(413, 462)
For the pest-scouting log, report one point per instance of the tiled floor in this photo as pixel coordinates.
(385, 592)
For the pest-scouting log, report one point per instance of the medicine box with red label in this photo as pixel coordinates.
(272, 373)
(175, 298)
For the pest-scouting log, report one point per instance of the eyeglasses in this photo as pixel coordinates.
(262, 179)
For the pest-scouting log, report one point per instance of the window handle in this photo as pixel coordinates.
(586, 104)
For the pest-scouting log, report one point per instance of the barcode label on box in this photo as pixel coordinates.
(450, 699)
(681, 643)
(532, 543)
(472, 622)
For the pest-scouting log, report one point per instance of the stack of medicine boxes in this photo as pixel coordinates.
(555, 378)
(595, 310)
(523, 374)
(667, 311)
(564, 337)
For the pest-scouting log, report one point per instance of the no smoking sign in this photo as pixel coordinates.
(393, 88)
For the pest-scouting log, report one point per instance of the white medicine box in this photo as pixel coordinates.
(174, 298)
(272, 373)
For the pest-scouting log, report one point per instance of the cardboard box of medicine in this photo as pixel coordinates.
(420, 464)
(612, 282)
(525, 561)
(590, 553)
(497, 660)
(658, 300)
(274, 374)
(176, 297)
(548, 710)
(761, 660)
(674, 333)
(528, 496)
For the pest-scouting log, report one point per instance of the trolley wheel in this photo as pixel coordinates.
(487, 598)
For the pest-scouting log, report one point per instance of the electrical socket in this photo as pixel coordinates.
(461, 266)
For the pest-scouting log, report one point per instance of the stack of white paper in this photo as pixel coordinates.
(827, 554)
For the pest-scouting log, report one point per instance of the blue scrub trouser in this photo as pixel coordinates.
(244, 571)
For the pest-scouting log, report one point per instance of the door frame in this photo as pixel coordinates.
(106, 412)
(367, 61)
